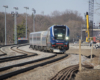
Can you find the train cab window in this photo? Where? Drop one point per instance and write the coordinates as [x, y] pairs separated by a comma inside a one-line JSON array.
[[59, 32], [22, 40]]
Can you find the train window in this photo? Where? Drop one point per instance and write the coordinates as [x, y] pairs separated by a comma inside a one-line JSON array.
[[38, 38], [34, 38], [60, 32], [43, 38]]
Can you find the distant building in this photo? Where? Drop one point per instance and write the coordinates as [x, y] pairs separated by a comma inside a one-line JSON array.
[[96, 32]]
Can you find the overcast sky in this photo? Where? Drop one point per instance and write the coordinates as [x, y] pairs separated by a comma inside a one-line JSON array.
[[48, 6]]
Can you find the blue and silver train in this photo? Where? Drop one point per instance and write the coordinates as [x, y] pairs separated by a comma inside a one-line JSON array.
[[55, 39]]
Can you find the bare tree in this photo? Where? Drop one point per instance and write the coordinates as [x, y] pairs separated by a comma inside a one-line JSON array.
[[42, 22]]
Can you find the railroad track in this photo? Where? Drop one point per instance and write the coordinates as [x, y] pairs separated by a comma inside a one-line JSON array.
[[12, 70], [3, 53], [69, 72], [25, 54]]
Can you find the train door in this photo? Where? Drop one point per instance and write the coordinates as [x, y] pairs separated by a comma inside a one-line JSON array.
[[48, 38], [34, 39], [30, 40]]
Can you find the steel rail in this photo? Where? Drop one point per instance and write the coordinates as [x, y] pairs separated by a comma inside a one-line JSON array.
[[10, 74]]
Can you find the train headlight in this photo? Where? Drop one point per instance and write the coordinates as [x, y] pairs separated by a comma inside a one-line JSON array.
[[59, 35], [67, 38]]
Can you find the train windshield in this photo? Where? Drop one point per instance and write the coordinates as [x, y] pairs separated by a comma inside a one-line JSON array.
[[22, 41], [59, 32]]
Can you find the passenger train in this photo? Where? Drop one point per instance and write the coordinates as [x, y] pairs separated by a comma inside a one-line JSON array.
[[55, 39]]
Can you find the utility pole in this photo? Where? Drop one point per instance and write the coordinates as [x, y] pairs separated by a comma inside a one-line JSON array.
[[5, 23], [15, 24], [34, 11], [26, 19]]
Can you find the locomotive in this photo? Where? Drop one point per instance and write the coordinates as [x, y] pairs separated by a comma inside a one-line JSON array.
[[22, 40], [55, 39]]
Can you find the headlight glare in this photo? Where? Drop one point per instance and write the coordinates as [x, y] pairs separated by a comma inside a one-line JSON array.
[[67, 38]]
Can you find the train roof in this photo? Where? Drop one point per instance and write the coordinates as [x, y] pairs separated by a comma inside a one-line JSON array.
[[37, 32], [22, 38], [59, 25]]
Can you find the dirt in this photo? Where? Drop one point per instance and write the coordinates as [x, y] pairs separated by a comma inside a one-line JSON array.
[[85, 52], [88, 74]]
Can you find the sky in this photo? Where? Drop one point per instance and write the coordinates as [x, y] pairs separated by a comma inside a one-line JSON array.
[[48, 6]]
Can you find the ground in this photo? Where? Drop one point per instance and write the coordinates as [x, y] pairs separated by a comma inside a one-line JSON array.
[[88, 74], [50, 70]]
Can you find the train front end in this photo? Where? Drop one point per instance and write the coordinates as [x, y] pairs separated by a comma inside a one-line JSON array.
[[59, 38]]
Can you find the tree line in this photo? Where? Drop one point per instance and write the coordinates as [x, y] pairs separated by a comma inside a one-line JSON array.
[[42, 22]]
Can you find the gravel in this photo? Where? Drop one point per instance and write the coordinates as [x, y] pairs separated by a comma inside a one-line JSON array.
[[48, 71], [9, 52], [82, 47], [41, 55], [97, 67], [43, 72]]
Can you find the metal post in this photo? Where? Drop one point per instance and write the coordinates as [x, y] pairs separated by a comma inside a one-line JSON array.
[[5, 25], [91, 51], [15, 25], [80, 67], [26, 20], [34, 11], [15, 30], [26, 23], [33, 22]]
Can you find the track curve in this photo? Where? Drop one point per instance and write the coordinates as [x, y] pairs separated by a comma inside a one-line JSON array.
[[9, 71]]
